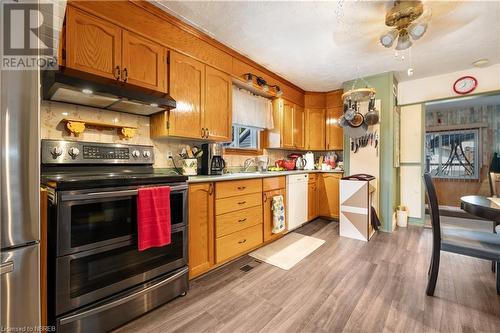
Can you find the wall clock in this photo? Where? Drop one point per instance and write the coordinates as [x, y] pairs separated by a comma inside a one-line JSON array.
[[465, 85]]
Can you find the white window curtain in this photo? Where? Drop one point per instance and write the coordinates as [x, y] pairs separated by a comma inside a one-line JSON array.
[[251, 111]]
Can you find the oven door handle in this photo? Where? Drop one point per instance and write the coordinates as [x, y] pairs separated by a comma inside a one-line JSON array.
[[120, 301], [113, 194]]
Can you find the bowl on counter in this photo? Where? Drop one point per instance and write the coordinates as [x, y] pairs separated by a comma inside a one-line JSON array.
[[289, 164]]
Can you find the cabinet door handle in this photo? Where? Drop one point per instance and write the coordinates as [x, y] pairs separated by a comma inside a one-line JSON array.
[[125, 72], [210, 189], [242, 220], [242, 202], [242, 241], [117, 73], [203, 132], [241, 187], [207, 132], [265, 197]]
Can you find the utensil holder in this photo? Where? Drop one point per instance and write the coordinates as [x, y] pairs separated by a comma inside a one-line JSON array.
[[190, 166]]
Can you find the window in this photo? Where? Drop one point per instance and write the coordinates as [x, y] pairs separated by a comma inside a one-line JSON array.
[[453, 154], [244, 138]]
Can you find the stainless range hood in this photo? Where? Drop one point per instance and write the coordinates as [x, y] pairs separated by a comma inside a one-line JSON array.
[[61, 87]]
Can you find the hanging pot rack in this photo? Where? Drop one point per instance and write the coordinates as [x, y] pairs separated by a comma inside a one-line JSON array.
[[354, 123]]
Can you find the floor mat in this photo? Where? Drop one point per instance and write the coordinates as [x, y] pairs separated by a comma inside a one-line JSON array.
[[287, 251]]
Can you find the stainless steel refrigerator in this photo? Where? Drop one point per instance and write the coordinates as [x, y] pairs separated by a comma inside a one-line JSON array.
[[19, 199]]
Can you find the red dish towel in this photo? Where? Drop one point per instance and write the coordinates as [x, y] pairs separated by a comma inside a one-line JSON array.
[[153, 217]]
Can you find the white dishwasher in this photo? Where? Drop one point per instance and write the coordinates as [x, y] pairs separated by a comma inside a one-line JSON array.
[[296, 197]]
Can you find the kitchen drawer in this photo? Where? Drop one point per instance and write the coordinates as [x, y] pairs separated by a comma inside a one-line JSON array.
[[237, 187], [231, 222], [238, 242], [273, 183], [232, 204]]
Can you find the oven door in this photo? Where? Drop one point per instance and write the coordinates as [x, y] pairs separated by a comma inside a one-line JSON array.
[[89, 219], [89, 276]]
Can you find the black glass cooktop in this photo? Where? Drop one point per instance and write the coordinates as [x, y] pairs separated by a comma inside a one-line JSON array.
[[84, 178]]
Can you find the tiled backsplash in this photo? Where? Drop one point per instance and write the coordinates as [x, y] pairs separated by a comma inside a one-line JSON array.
[[52, 127]]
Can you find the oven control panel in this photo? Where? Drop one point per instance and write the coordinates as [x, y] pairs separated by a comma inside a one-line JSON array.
[[78, 152]]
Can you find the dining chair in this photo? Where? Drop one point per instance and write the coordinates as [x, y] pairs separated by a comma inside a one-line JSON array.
[[472, 243], [493, 174]]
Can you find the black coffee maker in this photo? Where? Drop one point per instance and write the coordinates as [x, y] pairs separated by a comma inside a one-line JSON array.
[[212, 162]]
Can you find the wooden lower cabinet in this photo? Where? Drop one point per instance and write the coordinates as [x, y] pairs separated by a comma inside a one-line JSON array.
[[238, 220], [237, 243], [312, 198], [201, 228], [328, 194]]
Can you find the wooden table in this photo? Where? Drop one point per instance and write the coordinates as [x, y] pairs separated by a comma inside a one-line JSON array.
[[481, 206]]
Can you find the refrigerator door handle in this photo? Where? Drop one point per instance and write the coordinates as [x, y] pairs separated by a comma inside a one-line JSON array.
[[6, 267]]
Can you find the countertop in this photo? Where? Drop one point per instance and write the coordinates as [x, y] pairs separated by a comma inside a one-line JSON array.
[[250, 175]]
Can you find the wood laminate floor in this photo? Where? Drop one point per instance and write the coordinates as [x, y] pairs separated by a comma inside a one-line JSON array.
[[344, 286]]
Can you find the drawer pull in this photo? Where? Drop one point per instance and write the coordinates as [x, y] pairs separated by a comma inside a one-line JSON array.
[[241, 187], [242, 220], [242, 202], [242, 241]]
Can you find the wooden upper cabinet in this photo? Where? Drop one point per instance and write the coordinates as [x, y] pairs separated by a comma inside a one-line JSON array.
[[187, 79], [287, 134], [98, 47], [218, 104], [201, 228], [298, 127], [144, 63], [92, 45], [315, 129], [289, 126], [334, 133]]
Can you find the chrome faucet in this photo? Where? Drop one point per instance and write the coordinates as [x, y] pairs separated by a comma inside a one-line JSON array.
[[248, 162]]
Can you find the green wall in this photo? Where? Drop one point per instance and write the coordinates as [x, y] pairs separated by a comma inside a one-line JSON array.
[[389, 176]]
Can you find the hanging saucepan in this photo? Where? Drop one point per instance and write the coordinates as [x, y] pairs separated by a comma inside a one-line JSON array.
[[357, 127], [372, 116]]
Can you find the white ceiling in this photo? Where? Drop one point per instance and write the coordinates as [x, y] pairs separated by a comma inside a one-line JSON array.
[[318, 45]]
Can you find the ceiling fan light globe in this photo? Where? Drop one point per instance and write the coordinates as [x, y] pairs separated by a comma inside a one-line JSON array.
[[417, 30], [388, 39], [404, 42]]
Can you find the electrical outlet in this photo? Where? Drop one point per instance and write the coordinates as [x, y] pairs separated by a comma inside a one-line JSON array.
[[169, 154]]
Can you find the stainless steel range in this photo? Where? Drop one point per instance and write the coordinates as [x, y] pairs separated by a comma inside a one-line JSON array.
[[98, 279]]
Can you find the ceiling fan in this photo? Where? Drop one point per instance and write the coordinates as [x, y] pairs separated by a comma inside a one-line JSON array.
[[408, 22]]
